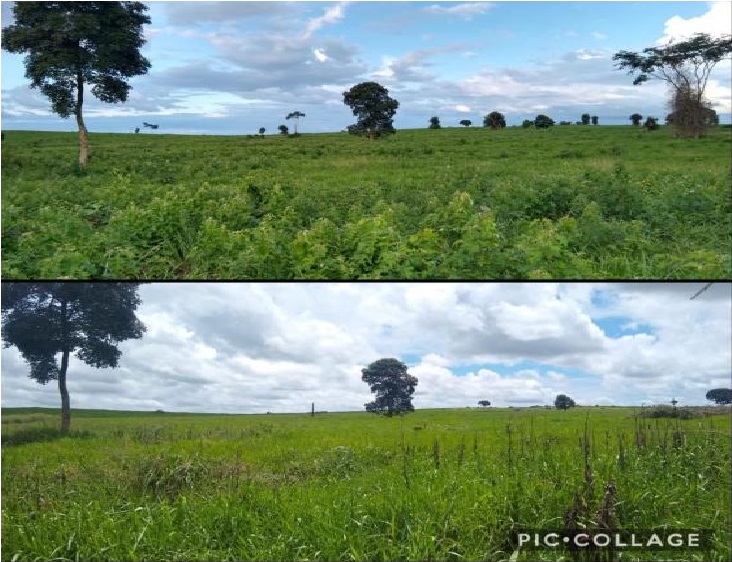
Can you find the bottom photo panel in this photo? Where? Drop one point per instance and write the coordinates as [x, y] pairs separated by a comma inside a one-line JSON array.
[[366, 421]]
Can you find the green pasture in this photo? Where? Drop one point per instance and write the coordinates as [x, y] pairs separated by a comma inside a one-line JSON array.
[[432, 485], [569, 202]]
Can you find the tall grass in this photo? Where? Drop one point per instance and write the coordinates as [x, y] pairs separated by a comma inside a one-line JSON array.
[[359, 487]]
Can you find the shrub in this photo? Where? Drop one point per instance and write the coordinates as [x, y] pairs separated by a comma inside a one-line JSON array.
[[651, 124], [664, 411]]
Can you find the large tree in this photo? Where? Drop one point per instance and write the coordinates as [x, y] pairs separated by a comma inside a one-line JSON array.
[[71, 45], [543, 121], [720, 395], [435, 123], [563, 402], [296, 115], [494, 120], [636, 118], [392, 385], [466, 122], [44, 320], [375, 110], [685, 66]]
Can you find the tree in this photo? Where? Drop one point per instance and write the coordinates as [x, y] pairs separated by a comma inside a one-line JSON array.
[[595, 120], [636, 118], [543, 122], [494, 120], [70, 45], [685, 66], [283, 130], [651, 124], [435, 123], [466, 122], [585, 118], [46, 319], [720, 396], [137, 130], [375, 110], [150, 126], [296, 116], [261, 131], [527, 123], [563, 402], [392, 385], [484, 403], [682, 111]]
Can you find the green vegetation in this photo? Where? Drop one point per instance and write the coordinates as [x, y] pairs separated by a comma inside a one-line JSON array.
[[70, 46], [564, 202], [87, 320], [685, 66], [434, 485]]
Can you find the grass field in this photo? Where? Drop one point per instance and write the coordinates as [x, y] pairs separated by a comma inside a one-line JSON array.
[[433, 485], [570, 202]]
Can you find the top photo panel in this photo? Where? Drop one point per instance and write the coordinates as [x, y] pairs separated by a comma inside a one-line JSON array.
[[366, 140]]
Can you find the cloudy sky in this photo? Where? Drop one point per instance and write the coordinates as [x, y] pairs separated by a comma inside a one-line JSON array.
[[232, 67], [249, 348]]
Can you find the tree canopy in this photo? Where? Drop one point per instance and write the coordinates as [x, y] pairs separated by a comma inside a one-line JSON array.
[[73, 44], [43, 320], [296, 115], [392, 385], [543, 122], [720, 395], [563, 402], [636, 118], [374, 109], [685, 66], [466, 122], [435, 123], [494, 120]]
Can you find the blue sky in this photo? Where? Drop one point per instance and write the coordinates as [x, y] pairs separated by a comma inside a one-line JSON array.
[[232, 67], [258, 347]]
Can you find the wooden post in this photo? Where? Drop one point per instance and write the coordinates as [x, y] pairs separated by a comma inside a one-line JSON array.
[[312, 410]]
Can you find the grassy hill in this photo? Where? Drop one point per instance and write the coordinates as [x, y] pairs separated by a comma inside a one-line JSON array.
[[433, 485], [569, 202]]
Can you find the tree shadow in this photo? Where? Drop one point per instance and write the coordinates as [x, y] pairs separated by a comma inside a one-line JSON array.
[[39, 435]]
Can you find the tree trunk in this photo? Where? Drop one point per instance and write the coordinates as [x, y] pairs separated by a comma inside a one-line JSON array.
[[83, 133], [65, 401]]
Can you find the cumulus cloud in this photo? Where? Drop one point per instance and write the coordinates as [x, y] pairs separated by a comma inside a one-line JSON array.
[[242, 347], [242, 60], [717, 21]]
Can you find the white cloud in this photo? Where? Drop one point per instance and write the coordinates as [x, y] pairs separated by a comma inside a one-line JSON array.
[[249, 347], [717, 21], [465, 11], [320, 55], [584, 54], [461, 108], [332, 15]]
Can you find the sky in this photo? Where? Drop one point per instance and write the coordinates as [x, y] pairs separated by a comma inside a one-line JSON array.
[[233, 67], [278, 347]]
